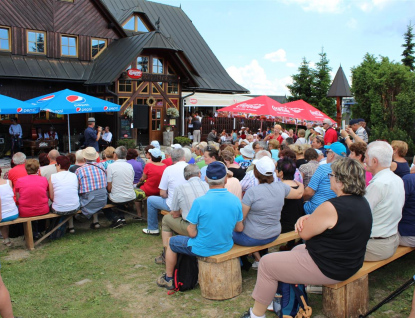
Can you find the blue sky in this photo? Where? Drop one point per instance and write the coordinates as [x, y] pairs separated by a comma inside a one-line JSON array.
[[262, 43]]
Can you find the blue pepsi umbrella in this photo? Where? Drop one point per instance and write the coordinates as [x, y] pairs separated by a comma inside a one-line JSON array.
[[12, 106], [68, 102]]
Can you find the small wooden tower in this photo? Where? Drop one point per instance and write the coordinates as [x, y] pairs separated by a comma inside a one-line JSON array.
[[339, 88]]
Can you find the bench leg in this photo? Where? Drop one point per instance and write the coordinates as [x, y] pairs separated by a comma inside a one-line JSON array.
[[28, 235], [349, 301], [220, 281]]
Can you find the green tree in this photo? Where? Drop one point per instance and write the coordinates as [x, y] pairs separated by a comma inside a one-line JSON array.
[[321, 86], [303, 82], [409, 48]]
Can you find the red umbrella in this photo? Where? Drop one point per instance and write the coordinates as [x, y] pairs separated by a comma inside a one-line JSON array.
[[305, 111], [259, 106]]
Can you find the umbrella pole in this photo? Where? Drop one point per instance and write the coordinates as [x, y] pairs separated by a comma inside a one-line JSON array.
[[69, 135]]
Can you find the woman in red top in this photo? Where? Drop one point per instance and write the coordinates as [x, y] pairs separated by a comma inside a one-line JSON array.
[[151, 177], [276, 135], [31, 192]]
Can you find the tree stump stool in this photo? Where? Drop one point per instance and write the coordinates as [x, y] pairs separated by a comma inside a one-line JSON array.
[[219, 281]]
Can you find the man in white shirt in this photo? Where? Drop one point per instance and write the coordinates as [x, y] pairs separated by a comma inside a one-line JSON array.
[[172, 177], [15, 130], [52, 134], [386, 196], [50, 169], [120, 178], [106, 138]]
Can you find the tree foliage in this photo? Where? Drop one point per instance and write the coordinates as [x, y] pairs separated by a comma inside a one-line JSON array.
[[409, 48], [312, 85], [385, 94]]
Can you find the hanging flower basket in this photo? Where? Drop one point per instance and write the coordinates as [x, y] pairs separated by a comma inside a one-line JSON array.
[[172, 112], [129, 112]]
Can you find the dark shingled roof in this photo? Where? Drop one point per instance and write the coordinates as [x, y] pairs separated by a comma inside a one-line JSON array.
[[176, 25], [340, 86], [43, 67]]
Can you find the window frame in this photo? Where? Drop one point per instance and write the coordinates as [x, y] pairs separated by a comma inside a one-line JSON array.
[[10, 38], [45, 42], [99, 51], [131, 85], [148, 63], [136, 16], [162, 64], [76, 47]]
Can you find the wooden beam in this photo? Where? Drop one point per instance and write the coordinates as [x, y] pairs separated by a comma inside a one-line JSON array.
[[129, 101], [339, 111], [163, 93]]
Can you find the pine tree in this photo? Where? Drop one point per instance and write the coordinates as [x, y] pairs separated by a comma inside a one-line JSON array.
[[302, 86], [409, 48], [322, 84]]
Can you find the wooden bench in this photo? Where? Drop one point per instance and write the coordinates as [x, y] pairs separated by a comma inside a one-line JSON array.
[[27, 226], [220, 275], [351, 297]]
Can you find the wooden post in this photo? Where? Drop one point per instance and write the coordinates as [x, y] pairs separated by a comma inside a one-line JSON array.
[[219, 281], [339, 111], [348, 301], [28, 235]]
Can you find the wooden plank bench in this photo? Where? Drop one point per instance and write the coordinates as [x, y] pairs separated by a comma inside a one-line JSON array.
[[27, 226], [351, 297], [220, 275]]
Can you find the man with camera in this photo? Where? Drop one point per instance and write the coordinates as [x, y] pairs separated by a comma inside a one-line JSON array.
[[92, 136]]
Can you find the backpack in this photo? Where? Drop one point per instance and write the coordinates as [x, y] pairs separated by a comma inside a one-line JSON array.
[[291, 301], [185, 273]]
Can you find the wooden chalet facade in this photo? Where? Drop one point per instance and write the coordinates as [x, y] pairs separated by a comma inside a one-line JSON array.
[[98, 47]]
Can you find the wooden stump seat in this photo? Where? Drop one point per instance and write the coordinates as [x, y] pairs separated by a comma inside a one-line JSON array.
[[351, 297]]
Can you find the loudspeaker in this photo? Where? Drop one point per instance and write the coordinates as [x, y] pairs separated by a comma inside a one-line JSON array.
[[140, 118]]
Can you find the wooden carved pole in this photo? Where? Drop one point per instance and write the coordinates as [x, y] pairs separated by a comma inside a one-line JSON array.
[[339, 111]]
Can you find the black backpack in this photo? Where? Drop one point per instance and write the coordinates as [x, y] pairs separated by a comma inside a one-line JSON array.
[[185, 273]]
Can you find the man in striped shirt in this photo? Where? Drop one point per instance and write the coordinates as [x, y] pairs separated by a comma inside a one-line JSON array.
[[92, 180]]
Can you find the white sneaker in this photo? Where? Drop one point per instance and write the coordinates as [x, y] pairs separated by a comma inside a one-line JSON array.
[[314, 289], [151, 232], [270, 307], [255, 265]]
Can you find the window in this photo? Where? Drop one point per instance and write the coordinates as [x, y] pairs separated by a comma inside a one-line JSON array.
[[135, 24], [172, 88], [69, 46], [170, 70], [157, 66], [36, 42], [122, 100], [155, 90], [142, 64], [4, 39], [97, 46], [124, 86]]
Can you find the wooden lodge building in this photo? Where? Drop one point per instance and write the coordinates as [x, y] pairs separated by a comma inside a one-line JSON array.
[[140, 54]]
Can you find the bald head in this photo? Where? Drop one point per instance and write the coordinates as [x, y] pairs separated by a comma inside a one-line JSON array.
[[53, 154]]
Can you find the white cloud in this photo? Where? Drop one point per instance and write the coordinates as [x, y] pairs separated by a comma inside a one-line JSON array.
[[289, 64], [369, 5], [312, 64], [352, 23], [277, 56], [254, 78], [321, 6]]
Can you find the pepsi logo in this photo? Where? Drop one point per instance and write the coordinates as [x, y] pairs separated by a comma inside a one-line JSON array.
[[105, 107], [75, 99], [78, 109], [19, 110], [45, 99]]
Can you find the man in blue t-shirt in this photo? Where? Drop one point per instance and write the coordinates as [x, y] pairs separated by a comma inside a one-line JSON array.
[[318, 190], [91, 136], [210, 229]]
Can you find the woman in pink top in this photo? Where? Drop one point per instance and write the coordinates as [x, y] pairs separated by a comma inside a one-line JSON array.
[[357, 151], [31, 192]]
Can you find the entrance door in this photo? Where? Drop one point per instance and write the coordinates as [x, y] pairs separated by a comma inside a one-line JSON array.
[[156, 121]]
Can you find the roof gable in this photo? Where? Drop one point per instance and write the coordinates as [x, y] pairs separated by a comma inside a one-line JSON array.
[[340, 86]]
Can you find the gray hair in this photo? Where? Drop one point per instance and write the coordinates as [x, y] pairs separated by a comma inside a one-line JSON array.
[[79, 157], [177, 155], [168, 150], [263, 144], [19, 158], [382, 151], [212, 182], [191, 170], [53, 154], [121, 152], [187, 154], [194, 144], [262, 153]]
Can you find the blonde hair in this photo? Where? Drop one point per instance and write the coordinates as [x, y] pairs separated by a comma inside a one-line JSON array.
[[298, 149], [274, 144], [109, 152], [32, 166], [352, 174], [401, 146], [301, 133]]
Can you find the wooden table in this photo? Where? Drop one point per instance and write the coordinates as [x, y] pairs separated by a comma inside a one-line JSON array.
[[39, 145]]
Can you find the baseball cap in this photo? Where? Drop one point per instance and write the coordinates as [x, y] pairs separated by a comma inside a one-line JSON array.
[[248, 152], [155, 152], [361, 120], [216, 170], [319, 130], [327, 121], [176, 146], [155, 144], [338, 148], [91, 120], [354, 121], [265, 166]]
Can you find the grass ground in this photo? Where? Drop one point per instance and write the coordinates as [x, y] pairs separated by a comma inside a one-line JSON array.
[[111, 273]]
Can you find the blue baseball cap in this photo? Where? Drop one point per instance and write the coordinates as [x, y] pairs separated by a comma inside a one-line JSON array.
[[155, 152], [354, 121], [216, 170], [338, 148]]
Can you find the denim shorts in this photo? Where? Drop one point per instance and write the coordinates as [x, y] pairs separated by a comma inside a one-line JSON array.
[[178, 244], [241, 238]]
